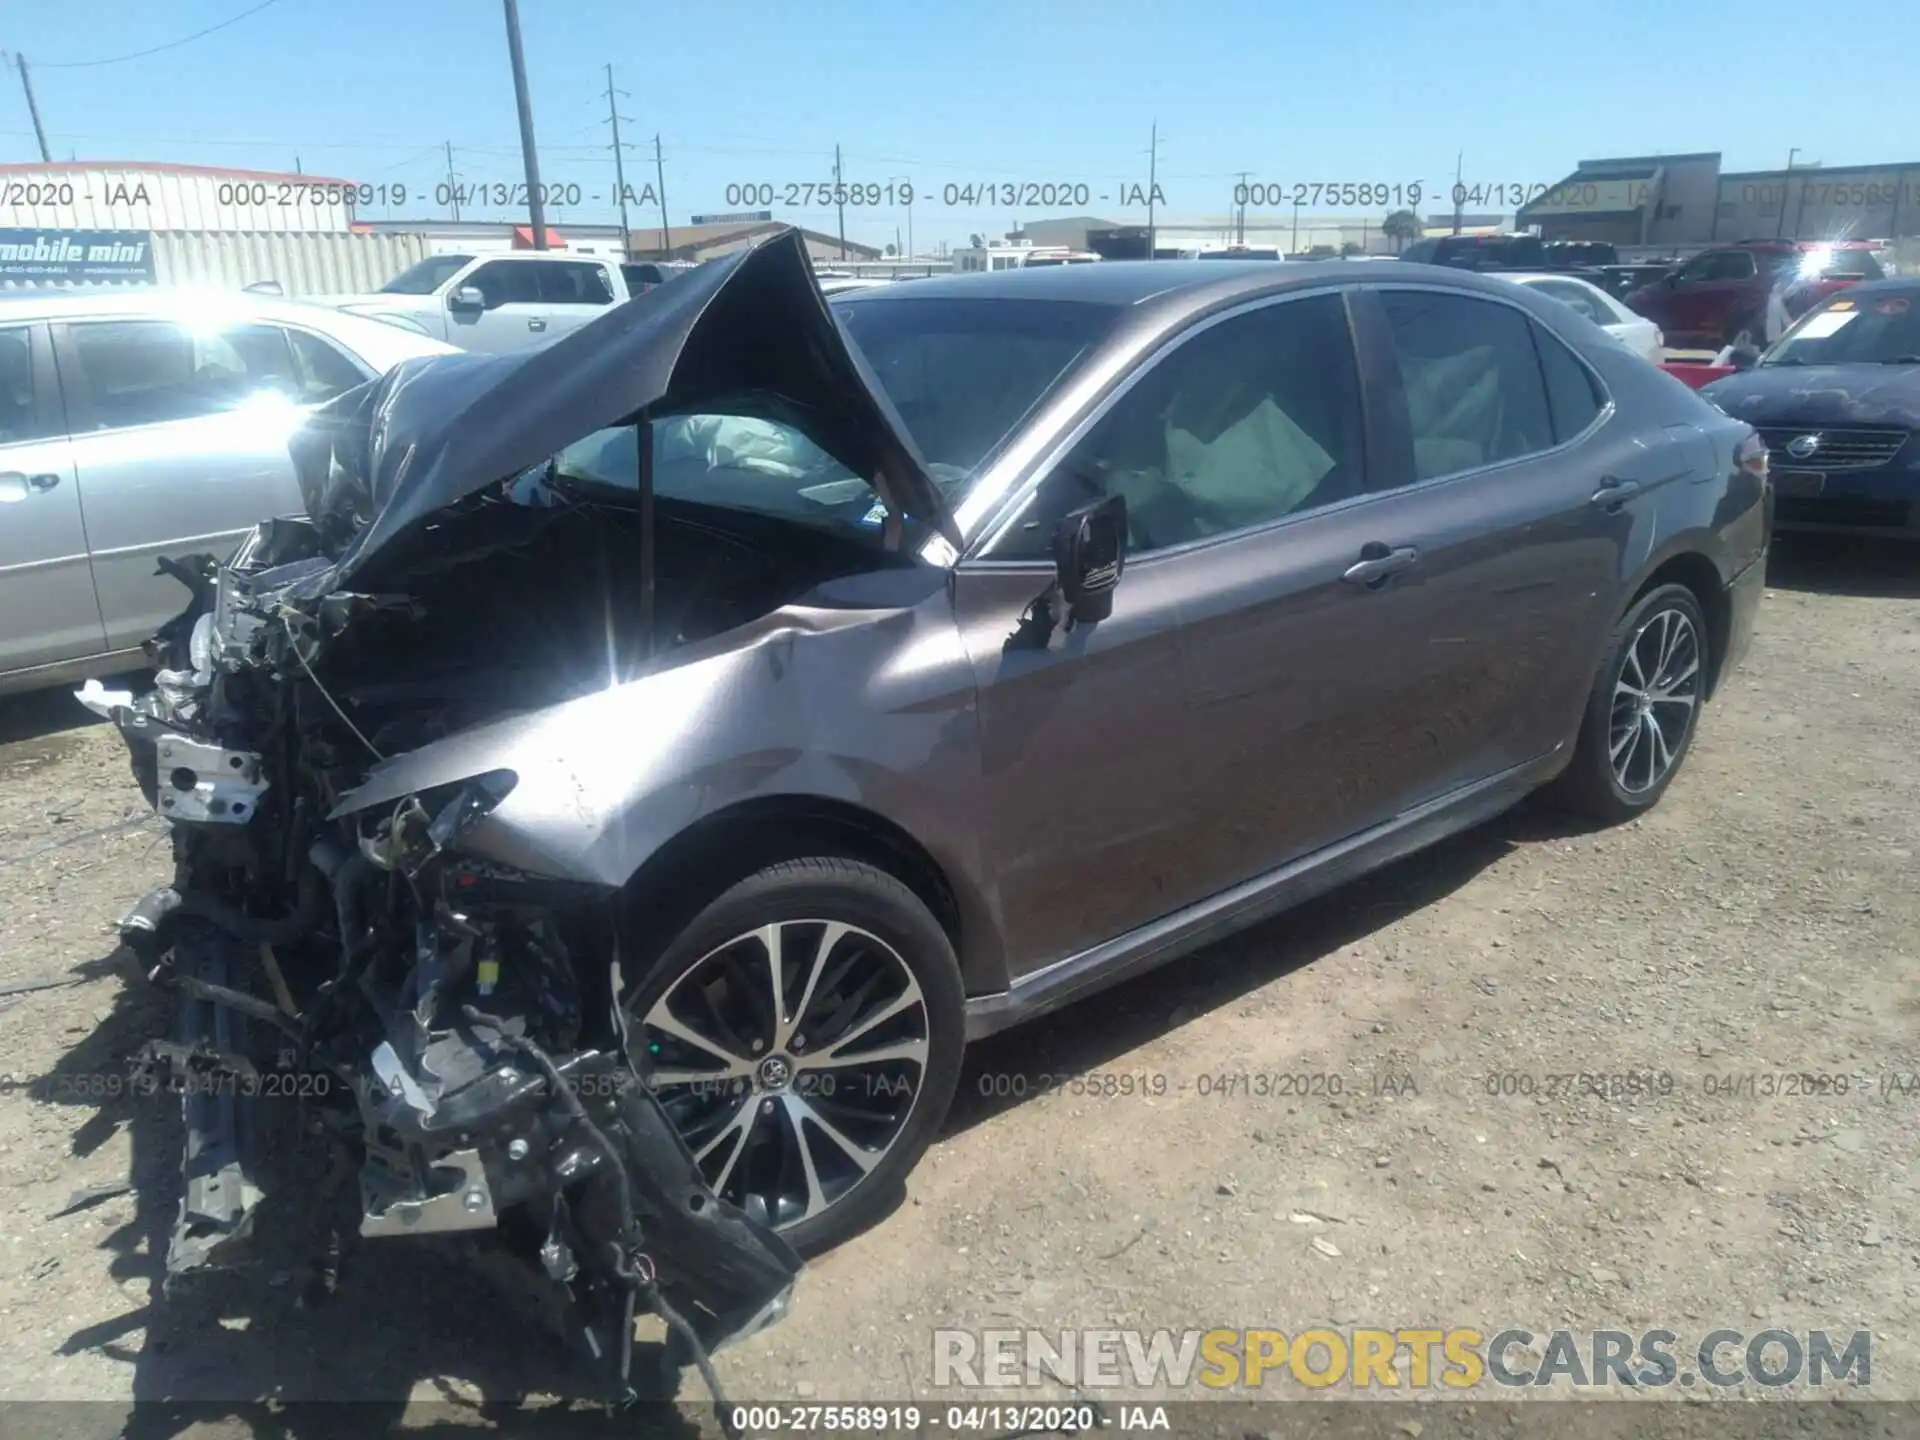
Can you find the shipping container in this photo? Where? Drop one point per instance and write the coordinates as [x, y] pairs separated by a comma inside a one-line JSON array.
[[325, 264], [101, 195]]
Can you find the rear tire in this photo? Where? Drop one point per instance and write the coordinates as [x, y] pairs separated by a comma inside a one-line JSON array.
[[785, 1116], [1643, 710]]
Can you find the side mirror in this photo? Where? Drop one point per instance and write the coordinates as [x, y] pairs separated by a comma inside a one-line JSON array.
[[1089, 552], [467, 298]]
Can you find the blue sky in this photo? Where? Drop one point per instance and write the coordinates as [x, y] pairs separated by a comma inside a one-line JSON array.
[[962, 92]]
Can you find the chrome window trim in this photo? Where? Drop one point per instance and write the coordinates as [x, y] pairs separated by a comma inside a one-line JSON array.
[[1042, 456], [1020, 495]]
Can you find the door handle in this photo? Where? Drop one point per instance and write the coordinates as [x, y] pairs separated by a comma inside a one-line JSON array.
[[1378, 564], [16, 486], [1613, 493], [536, 324]]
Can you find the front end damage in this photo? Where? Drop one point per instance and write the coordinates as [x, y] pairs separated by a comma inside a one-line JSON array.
[[448, 1024], [354, 951]]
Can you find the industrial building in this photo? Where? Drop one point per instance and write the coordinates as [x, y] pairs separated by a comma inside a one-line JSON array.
[[1302, 234], [1688, 201]]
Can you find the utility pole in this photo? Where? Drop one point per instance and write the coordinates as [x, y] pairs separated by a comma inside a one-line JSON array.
[[453, 186], [33, 107], [1153, 163], [840, 201], [535, 210], [619, 168], [660, 175], [1780, 225], [296, 166], [1294, 248], [1240, 216]]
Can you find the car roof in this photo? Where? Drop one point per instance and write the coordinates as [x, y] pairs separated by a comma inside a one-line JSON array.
[[1524, 276], [54, 303], [1134, 282], [1898, 285]]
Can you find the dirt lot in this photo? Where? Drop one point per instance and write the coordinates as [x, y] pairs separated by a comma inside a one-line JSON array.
[[1765, 919]]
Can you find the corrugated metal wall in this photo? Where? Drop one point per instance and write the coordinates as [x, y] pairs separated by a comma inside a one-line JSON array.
[[97, 197], [323, 264], [303, 264]]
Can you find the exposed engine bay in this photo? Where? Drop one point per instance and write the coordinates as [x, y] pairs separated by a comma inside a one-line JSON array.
[[449, 1022]]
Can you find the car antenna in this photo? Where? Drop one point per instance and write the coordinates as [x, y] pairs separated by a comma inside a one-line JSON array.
[[645, 447]]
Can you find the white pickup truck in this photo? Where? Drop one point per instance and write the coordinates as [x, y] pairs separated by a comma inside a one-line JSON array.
[[502, 301]]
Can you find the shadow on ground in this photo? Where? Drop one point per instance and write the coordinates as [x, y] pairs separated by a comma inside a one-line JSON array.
[[1866, 566]]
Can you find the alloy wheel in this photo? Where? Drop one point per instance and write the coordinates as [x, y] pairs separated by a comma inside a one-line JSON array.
[[790, 1058], [1655, 697]]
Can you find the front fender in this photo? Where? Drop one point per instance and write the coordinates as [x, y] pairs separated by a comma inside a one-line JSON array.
[[871, 709]]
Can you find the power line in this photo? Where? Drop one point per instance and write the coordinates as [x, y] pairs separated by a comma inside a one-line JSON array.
[[170, 45]]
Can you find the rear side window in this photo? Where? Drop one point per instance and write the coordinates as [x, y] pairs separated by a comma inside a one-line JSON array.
[[146, 372], [1475, 394], [1573, 400]]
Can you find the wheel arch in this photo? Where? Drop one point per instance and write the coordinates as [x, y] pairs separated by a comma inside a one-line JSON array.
[[717, 850], [1699, 574]]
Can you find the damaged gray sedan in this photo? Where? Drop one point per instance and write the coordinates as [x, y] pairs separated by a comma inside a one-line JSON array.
[[652, 756]]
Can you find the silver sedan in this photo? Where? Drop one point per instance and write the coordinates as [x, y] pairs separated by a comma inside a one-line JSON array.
[[148, 424]]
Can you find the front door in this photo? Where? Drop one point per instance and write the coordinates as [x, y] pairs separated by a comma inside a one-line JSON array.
[[47, 608], [515, 315], [1202, 733]]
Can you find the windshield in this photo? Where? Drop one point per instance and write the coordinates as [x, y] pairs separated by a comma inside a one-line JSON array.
[[1835, 263], [1855, 329], [425, 276], [961, 374]]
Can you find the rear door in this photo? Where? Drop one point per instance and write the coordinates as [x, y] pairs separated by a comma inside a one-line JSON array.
[[47, 608], [179, 445], [1521, 490]]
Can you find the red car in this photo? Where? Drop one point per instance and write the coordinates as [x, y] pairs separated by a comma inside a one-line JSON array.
[[1720, 292]]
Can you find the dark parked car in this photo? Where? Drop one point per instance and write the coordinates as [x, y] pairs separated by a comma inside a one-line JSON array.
[[1718, 293], [1512, 252], [1837, 399], [719, 715]]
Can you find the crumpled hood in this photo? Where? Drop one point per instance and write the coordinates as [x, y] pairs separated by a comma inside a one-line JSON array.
[[750, 333], [1821, 395]]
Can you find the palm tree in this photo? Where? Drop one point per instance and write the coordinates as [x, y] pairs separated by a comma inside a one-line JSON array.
[[1401, 227]]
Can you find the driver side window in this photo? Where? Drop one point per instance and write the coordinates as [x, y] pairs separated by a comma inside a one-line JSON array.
[[504, 282], [1253, 419]]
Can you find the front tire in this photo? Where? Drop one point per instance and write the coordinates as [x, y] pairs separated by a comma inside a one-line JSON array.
[[804, 1032], [1643, 709]]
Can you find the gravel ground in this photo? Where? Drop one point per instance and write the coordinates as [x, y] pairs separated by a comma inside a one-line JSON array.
[[1763, 920]]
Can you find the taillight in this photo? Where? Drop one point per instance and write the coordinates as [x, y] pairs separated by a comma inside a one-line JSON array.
[[1751, 455]]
